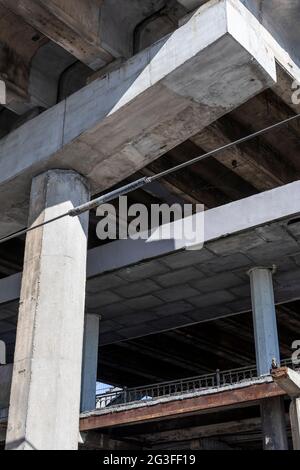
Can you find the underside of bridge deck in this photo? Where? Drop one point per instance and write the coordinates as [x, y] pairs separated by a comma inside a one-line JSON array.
[[97, 97]]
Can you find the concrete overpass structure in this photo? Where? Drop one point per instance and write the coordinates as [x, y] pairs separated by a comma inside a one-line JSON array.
[[92, 104]]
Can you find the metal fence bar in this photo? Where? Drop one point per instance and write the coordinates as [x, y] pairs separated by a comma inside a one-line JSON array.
[[188, 385]]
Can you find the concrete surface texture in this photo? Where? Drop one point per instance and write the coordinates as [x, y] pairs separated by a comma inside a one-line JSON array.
[[47, 363], [96, 95], [116, 123], [141, 288]]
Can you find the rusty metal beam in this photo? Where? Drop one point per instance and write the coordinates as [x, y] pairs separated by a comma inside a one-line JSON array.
[[179, 408]]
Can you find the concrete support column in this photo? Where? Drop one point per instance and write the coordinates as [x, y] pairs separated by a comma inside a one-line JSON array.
[[45, 394], [264, 319], [273, 424], [295, 422], [267, 349], [89, 363]]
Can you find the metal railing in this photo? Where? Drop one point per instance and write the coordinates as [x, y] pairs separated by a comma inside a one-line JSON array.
[[117, 397]]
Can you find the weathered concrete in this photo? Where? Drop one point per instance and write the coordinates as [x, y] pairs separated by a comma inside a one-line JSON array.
[[94, 31], [280, 18], [45, 394], [141, 296], [79, 21], [156, 100], [30, 65], [295, 422], [267, 349], [289, 381], [264, 319], [89, 363]]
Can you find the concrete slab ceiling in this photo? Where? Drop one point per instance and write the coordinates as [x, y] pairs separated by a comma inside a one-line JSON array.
[[118, 124]]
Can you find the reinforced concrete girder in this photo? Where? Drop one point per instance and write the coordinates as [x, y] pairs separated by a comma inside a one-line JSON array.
[[73, 24], [30, 65], [159, 98], [288, 380], [233, 244], [94, 31]]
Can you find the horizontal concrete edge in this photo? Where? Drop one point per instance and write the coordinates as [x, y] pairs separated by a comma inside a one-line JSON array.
[[171, 410], [224, 221], [162, 96]]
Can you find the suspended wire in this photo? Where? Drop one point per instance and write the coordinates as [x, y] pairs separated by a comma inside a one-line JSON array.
[[140, 183]]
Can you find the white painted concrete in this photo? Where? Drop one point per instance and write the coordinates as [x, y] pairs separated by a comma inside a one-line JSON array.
[[89, 363], [153, 102], [45, 394]]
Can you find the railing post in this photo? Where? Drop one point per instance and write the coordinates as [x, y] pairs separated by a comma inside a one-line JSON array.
[[218, 377], [125, 395]]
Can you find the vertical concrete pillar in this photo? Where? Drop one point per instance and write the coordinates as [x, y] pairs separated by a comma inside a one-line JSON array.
[[295, 422], [45, 394], [2, 353], [267, 349], [89, 363]]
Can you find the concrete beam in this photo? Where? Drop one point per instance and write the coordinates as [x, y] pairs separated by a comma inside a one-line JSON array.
[[45, 392], [260, 167], [155, 101], [276, 204], [288, 380], [94, 31], [30, 65], [209, 430], [280, 20], [73, 25]]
